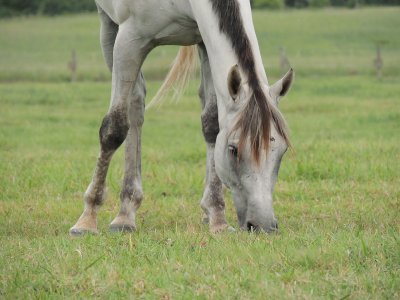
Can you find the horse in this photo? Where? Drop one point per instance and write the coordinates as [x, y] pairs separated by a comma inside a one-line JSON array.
[[245, 133]]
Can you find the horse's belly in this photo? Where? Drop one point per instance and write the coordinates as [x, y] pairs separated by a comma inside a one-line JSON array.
[[178, 34], [159, 21]]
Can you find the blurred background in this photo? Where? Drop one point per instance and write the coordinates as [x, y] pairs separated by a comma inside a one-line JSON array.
[[316, 37]]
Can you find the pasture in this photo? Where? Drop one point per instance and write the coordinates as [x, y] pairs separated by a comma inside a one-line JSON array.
[[336, 200]]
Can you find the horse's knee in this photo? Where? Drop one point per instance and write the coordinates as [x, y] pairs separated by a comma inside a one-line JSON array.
[[210, 125], [113, 130]]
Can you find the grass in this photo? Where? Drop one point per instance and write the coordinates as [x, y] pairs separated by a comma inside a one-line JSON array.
[[337, 198], [318, 42]]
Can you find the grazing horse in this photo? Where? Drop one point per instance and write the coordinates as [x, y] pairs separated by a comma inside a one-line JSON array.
[[245, 133]]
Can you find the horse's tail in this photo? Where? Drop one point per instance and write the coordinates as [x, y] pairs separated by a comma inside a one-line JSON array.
[[178, 76]]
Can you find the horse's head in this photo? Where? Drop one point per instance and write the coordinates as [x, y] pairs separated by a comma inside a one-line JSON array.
[[247, 158]]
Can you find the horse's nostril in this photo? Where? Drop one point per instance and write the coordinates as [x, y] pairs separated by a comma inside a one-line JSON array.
[[273, 228], [276, 225], [251, 227]]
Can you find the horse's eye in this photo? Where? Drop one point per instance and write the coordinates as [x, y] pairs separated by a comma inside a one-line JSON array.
[[233, 150]]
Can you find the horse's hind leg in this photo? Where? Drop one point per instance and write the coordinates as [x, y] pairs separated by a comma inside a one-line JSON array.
[[132, 193], [128, 56], [108, 34], [212, 202]]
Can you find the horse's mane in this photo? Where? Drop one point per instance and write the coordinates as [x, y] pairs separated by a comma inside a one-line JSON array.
[[254, 121]]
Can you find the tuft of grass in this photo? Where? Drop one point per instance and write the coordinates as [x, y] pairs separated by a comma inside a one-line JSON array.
[[336, 201]]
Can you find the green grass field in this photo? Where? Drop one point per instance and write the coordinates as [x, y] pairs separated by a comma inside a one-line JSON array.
[[337, 198]]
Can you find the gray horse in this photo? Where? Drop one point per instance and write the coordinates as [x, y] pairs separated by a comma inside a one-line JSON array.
[[245, 133]]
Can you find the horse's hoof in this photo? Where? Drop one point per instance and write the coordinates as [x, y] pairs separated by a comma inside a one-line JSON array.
[[231, 229], [77, 232], [122, 228]]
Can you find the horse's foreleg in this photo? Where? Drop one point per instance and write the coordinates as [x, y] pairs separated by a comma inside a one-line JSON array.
[[132, 192], [212, 202], [128, 57], [112, 134]]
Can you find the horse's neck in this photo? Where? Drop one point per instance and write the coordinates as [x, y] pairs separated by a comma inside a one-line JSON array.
[[219, 48]]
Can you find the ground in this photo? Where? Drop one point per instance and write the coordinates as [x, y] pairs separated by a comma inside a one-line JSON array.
[[337, 198]]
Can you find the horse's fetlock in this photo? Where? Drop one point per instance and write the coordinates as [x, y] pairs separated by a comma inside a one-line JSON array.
[[132, 194], [94, 197], [204, 206]]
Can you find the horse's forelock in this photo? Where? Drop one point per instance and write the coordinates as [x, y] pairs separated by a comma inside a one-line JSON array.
[[254, 124]]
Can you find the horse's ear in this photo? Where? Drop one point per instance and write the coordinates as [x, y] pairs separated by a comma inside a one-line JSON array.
[[234, 82], [282, 86]]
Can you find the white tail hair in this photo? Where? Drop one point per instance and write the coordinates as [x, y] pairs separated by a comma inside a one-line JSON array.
[[178, 76]]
